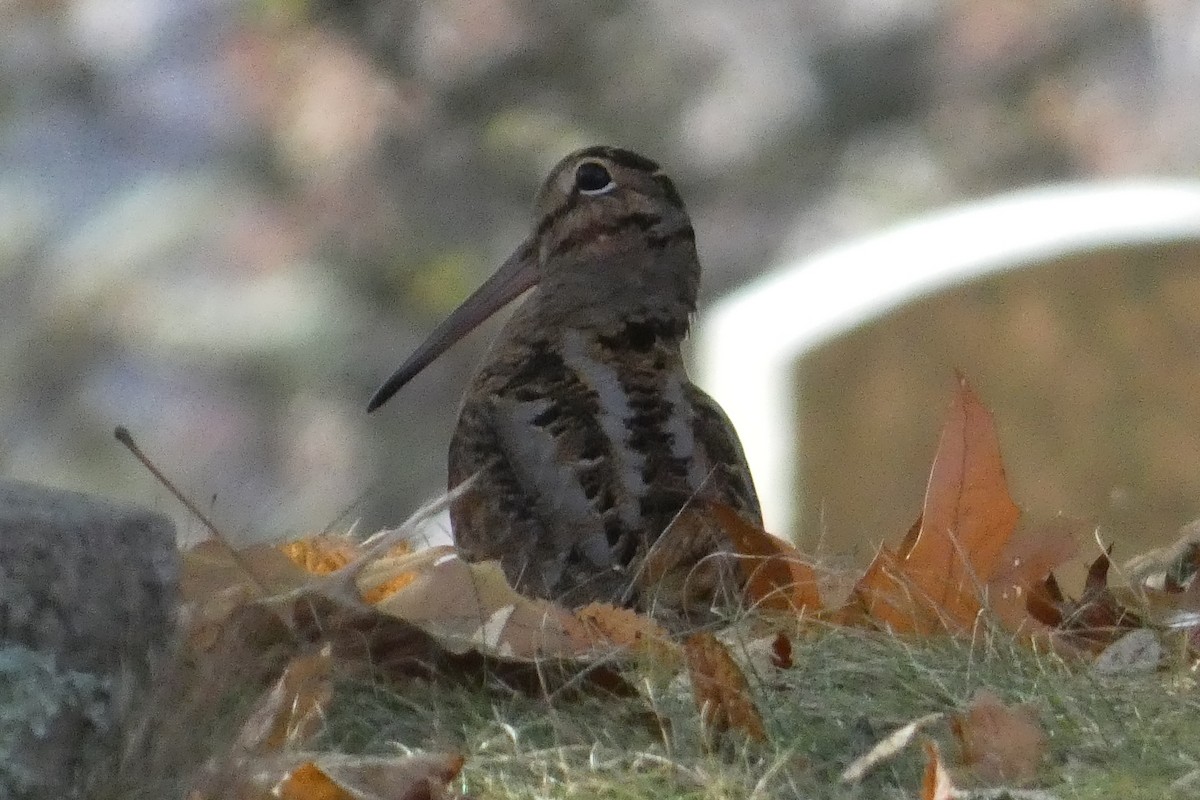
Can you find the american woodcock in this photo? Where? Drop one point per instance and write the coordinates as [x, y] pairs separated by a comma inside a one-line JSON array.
[[586, 440]]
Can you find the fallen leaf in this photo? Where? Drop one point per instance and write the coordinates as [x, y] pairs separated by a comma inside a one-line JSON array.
[[1045, 602], [321, 554], [210, 567], [1170, 569], [472, 607], [938, 578], [966, 521], [1179, 611], [776, 575], [629, 630], [689, 570], [1000, 744], [910, 538], [720, 688], [327, 553], [1137, 651], [334, 776], [216, 581], [766, 654], [882, 597], [309, 782], [936, 784], [1091, 623]]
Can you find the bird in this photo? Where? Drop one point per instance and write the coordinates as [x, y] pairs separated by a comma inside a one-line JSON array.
[[591, 453]]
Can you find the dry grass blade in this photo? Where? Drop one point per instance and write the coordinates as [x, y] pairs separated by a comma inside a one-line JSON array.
[[887, 748]]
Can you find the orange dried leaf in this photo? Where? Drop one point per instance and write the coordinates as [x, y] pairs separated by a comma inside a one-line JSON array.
[[776, 575], [883, 596], [327, 553], [629, 630], [293, 709], [720, 688], [936, 784], [321, 554], [308, 782], [967, 519], [335, 776], [682, 569], [1000, 744]]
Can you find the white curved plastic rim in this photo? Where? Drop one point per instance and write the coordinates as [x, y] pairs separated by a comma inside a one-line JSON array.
[[748, 342]]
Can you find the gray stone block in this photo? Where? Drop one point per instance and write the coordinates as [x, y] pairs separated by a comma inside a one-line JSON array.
[[87, 600]]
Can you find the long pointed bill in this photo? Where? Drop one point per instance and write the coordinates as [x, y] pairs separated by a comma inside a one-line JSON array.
[[515, 275]]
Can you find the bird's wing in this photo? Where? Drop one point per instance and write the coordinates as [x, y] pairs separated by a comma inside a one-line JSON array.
[[729, 481], [532, 505]]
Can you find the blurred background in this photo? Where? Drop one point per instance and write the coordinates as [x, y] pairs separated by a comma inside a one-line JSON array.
[[224, 222]]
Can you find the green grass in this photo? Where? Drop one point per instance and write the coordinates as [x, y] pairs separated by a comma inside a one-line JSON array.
[[1127, 736]]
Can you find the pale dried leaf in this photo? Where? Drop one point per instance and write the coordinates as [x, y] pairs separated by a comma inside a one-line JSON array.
[[472, 607], [1137, 651], [209, 568]]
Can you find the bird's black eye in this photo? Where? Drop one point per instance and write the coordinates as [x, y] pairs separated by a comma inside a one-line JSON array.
[[592, 178]]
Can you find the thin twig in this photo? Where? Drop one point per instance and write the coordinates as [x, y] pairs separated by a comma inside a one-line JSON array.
[[126, 438]]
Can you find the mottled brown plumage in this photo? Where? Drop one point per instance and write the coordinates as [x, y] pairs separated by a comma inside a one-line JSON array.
[[587, 441]]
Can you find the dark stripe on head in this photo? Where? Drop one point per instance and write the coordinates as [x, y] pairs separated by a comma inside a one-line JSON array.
[[629, 159], [621, 157], [554, 216], [669, 191]]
